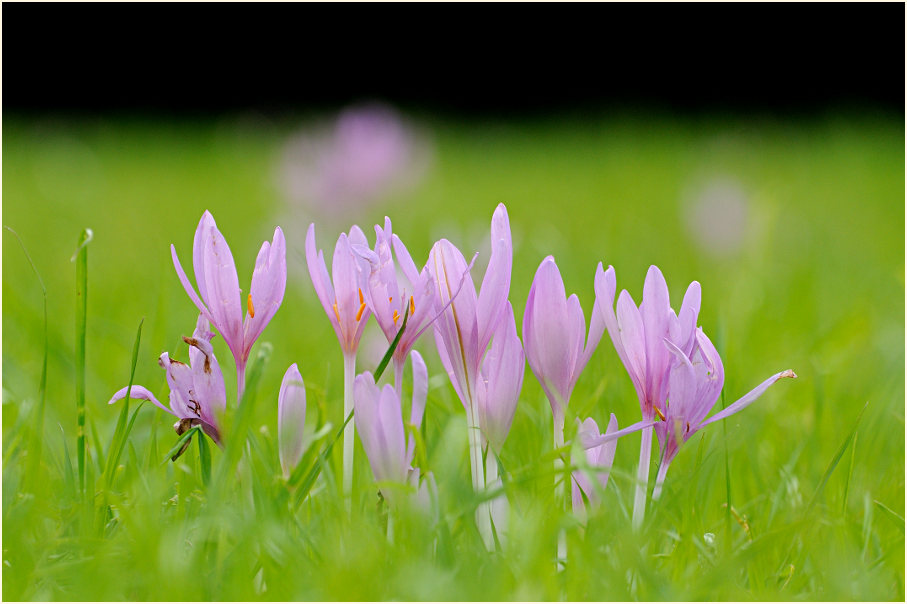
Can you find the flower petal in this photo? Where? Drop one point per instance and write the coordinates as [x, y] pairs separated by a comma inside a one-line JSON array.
[[187, 285], [496, 283], [269, 283], [749, 397], [501, 381], [222, 287], [291, 403], [138, 392]]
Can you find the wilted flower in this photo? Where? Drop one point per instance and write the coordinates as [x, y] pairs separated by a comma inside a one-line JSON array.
[[197, 393], [220, 302], [379, 420], [693, 388], [291, 419]]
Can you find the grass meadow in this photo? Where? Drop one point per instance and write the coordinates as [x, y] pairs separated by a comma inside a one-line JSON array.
[[798, 497]]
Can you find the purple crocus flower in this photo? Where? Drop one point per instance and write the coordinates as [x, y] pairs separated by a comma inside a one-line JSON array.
[[390, 298], [197, 392], [219, 296], [598, 456], [344, 303], [694, 385], [500, 381], [468, 321], [554, 335], [291, 419], [638, 334], [379, 420], [367, 153], [342, 299], [463, 330]]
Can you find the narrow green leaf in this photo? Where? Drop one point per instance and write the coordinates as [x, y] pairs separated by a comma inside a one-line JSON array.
[[122, 429], [204, 457], [853, 454], [390, 351], [898, 519], [80, 257], [174, 453], [316, 469], [37, 423], [835, 460]]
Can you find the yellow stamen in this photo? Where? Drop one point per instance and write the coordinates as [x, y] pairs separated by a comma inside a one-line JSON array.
[[396, 316], [336, 312], [660, 414], [361, 308], [412, 306], [361, 301], [391, 299], [249, 305]]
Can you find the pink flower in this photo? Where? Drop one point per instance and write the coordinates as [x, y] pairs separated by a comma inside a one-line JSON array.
[[343, 300], [219, 297], [598, 456], [291, 419], [197, 393]]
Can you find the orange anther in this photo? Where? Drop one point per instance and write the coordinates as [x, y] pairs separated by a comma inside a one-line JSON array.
[[412, 306], [336, 312], [361, 301], [250, 307], [361, 308], [660, 414], [396, 316], [391, 299]]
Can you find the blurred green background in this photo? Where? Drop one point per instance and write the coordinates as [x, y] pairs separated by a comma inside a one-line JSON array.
[[805, 272]]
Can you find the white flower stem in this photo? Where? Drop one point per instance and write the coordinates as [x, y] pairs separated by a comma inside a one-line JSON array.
[[642, 478], [560, 491], [483, 520], [659, 480], [349, 432]]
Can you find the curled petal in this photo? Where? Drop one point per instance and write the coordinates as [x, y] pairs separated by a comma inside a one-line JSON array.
[[138, 392], [749, 397], [183, 401]]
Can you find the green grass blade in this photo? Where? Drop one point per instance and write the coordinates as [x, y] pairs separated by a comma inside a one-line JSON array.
[[172, 454], [37, 424], [316, 469], [80, 257], [390, 351], [898, 519], [853, 454], [121, 432], [204, 457], [834, 462]]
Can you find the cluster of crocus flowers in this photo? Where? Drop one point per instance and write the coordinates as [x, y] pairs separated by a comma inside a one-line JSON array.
[[197, 391], [675, 370]]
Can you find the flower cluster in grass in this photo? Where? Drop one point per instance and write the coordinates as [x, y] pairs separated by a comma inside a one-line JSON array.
[[676, 371]]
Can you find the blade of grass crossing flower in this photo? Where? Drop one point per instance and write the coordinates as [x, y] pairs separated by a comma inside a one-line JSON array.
[[310, 478], [390, 351], [204, 458], [176, 450], [121, 432], [835, 460], [37, 424], [80, 257]]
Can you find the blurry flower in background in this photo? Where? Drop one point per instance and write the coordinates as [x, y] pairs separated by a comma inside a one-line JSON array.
[[717, 215], [367, 153]]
